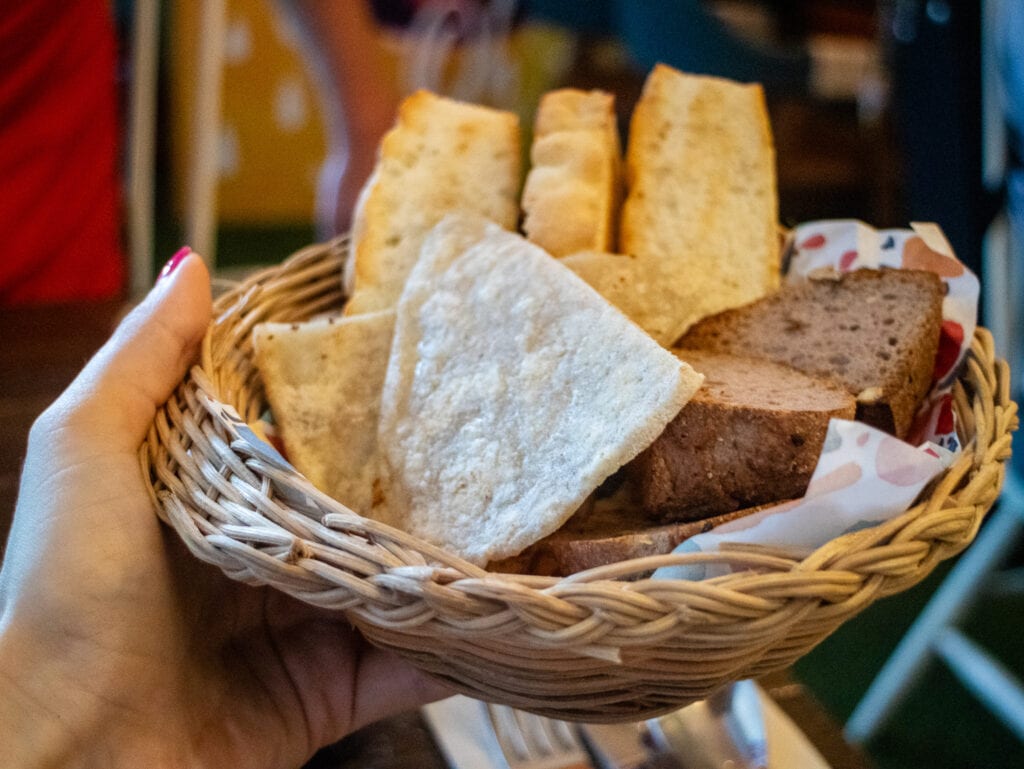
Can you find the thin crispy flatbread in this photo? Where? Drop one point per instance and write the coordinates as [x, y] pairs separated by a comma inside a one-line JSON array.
[[323, 380], [513, 390]]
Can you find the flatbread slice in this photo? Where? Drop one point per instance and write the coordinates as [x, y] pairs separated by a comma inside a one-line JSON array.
[[513, 390], [323, 380]]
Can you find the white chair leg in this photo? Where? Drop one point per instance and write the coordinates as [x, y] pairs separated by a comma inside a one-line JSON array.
[[201, 216], [954, 597], [142, 143], [994, 685]]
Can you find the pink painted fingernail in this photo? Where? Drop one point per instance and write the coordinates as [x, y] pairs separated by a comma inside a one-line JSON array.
[[173, 262]]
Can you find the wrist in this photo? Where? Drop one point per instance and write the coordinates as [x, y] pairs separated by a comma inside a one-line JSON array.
[[36, 729], [48, 720]]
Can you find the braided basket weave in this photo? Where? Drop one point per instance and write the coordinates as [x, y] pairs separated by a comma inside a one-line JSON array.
[[596, 646]]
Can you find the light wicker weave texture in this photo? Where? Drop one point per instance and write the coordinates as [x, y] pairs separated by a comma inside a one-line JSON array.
[[596, 646]]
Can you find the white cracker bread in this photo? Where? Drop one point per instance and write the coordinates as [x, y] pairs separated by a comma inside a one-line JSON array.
[[323, 380], [512, 391], [700, 216], [572, 193], [442, 155]]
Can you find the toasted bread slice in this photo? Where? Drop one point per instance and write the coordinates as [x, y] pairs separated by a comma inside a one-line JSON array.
[[701, 196], [874, 331], [442, 156], [573, 190]]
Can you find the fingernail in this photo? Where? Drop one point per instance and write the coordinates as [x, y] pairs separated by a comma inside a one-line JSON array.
[[173, 262]]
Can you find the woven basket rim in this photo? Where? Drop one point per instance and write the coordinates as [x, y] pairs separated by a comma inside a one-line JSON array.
[[258, 523]]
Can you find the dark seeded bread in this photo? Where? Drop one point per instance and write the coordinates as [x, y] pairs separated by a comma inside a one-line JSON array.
[[609, 535], [751, 435], [874, 331]]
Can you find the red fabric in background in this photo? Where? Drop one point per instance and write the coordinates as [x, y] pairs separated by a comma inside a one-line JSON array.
[[60, 231]]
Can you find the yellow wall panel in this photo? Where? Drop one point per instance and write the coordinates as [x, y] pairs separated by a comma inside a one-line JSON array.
[[272, 136], [271, 132]]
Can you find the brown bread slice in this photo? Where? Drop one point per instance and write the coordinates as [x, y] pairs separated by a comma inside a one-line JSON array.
[[751, 435], [874, 331], [610, 537]]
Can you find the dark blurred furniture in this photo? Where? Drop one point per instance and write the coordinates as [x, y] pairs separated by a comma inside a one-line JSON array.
[[836, 157], [934, 52], [44, 348]]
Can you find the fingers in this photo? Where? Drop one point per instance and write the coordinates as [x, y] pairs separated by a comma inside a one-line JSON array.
[[386, 684], [120, 389]]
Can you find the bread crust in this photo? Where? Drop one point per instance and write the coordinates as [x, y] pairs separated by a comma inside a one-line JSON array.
[[442, 156], [572, 193], [701, 191]]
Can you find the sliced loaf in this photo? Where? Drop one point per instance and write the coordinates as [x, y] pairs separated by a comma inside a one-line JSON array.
[[751, 435], [701, 195], [874, 331]]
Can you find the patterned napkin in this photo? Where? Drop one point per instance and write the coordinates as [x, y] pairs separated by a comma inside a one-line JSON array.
[[863, 476]]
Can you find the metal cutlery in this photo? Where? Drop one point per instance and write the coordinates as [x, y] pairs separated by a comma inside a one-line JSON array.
[[528, 741], [725, 730]]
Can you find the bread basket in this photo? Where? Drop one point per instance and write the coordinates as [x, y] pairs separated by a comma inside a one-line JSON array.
[[599, 646]]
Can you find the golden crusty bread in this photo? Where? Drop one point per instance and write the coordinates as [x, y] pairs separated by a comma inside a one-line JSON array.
[[573, 190], [701, 211], [441, 156]]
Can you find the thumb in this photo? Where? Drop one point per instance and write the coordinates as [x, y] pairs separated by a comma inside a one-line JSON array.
[[116, 395]]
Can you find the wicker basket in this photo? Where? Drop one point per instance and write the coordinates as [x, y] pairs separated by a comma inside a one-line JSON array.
[[596, 646]]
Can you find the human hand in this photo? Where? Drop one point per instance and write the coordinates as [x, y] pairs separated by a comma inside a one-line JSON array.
[[117, 647]]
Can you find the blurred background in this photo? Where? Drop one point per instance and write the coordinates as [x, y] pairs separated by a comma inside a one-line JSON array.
[[248, 127]]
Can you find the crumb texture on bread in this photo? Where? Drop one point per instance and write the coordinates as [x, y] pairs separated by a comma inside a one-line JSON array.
[[512, 392], [701, 193], [874, 331], [572, 193], [442, 156], [751, 435]]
